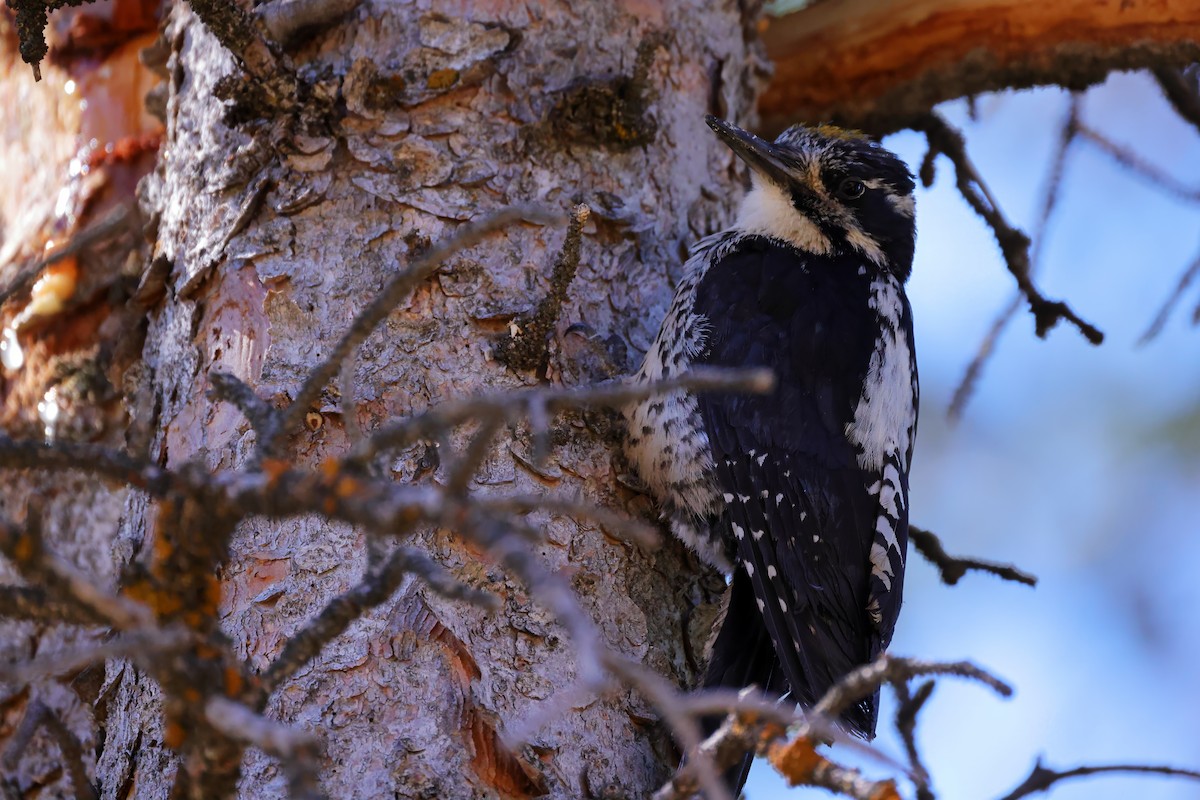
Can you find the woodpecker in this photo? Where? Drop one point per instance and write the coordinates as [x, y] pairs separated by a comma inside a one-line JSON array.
[[801, 494]]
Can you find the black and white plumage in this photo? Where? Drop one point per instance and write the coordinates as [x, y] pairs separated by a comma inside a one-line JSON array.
[[801, 493]]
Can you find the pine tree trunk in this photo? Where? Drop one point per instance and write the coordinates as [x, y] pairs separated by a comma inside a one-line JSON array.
[[276, 235]]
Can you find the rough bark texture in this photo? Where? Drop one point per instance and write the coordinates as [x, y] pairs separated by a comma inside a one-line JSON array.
[[275, 239], [878, 64]]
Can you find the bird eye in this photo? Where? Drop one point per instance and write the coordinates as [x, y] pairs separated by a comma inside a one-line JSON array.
[[851, 189]]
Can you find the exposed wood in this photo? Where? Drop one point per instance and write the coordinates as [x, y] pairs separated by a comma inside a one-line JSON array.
[[874, 64]]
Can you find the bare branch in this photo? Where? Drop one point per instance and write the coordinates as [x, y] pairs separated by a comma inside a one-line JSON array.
[[1164, 313], [702, 772], [39, 715], [398, 288], [1127, 158], [86, 458], [1180, 92], [863, 681], [230, 388], [464, 467], [348, 387], [727, 746], [1013, 243], [137, 646], [953, 568], [906, 724], [1043, 778], [34, 604], [98, 231], [753, 723], [634, 530], [512, 406], [44, 570], [1068, 132], [299, 752], [877, 64]]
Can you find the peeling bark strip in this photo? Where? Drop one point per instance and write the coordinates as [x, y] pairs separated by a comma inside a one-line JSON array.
[[875, 64]]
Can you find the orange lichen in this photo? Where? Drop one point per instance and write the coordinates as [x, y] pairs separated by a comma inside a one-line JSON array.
[[798, 760], [24, 549], [234, 682], [274, 468], [173, 734], [442, 79], [800, 763]]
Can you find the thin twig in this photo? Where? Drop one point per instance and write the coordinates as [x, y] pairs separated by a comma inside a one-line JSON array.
[[70, 750], [954, 568], [138, 646], [1164, 313], [34, 604], [94, 233], [1013, 243], [1127, 158], [1043, 778], [348, 386], [86, 458], [232, 389], [397, 289], [863, 681], [243, 724], [906, 725], [550, 590], [40, 568], [727, 746], [1181, 93], [703, 774], [465, 466], [752, 722], [299, 752], [1051, 191], [511, 406]]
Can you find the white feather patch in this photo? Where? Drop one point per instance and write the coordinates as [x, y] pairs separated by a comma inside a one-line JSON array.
[[768, 211], [883, 419]]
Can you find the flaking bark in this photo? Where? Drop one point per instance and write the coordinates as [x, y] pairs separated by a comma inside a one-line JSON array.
[[278, 232]]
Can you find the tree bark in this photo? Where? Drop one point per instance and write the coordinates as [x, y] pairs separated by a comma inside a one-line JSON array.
[[276, 235]]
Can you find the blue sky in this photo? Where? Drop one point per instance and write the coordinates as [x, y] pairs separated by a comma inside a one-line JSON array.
[[1079, 464]]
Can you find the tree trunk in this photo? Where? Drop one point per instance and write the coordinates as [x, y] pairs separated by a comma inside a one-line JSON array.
[[276, 235]]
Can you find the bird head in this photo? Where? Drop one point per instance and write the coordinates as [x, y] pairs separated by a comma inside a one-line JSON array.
[[827, 190]]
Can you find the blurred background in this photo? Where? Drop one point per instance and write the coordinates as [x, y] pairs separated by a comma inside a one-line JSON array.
[[1079, 464]]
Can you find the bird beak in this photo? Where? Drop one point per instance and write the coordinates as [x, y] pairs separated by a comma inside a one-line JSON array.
[[760, 154]]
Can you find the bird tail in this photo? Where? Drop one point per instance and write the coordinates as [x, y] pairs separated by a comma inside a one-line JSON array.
[[741, 655]]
